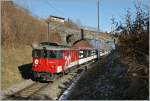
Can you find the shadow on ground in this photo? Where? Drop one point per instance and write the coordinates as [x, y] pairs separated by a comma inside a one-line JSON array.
[[26, 71]]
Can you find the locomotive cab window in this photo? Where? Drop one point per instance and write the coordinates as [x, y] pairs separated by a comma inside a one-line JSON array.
[[54, 54], [37, 53]]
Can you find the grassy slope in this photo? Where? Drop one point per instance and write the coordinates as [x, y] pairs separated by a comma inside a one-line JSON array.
[[11, 59]]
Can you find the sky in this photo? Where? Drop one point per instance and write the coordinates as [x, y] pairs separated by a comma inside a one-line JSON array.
[[83, 12]]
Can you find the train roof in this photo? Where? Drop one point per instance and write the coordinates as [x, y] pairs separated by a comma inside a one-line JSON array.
[[60, 47], [48, 47], [88, 48]]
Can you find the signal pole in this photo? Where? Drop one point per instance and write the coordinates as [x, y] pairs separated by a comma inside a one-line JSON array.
[[48, 33], [47, 21], [98, 27], [98, 14]]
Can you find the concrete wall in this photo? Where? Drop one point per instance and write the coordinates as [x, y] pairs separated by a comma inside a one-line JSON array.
[[90, 35]]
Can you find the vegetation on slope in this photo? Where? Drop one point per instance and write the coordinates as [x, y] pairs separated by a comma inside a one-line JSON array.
[[19, 27], [133, 43], [19, 31]]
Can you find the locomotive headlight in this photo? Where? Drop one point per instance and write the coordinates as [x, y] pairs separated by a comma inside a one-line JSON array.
[[36, 61], [52, 67], [59, 69]]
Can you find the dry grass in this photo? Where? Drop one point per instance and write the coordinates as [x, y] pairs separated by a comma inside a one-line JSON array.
[[136, 64], [11, 59]]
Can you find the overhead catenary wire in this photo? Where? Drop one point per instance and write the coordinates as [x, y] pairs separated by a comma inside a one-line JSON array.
[[56, 9]]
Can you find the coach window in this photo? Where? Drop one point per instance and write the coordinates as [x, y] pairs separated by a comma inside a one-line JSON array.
[[89, 52], [84, 53]]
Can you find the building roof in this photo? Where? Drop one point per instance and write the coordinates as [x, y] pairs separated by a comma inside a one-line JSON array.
[[58, 17]]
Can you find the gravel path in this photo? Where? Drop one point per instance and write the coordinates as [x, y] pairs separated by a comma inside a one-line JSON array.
[[15, 88]]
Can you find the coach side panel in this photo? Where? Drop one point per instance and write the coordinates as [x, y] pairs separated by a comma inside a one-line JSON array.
[[86, 55], [70, 58]]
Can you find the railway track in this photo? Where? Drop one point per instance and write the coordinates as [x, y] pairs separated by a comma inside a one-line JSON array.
[[29, 91], [35, 90]]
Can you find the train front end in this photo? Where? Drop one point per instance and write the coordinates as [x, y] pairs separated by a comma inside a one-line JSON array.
[[47, 63]]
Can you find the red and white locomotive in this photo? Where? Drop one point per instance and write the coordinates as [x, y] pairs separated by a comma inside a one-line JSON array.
[[51, 61]]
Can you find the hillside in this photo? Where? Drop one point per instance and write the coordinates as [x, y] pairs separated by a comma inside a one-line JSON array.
[[19, 27], [19, 31]]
